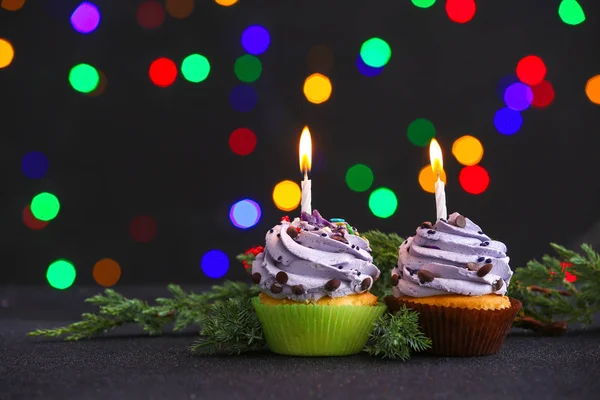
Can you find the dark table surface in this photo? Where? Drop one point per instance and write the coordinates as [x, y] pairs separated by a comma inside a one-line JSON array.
[[129, 365]]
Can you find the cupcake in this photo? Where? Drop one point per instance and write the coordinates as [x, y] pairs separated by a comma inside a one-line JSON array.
[[314, 276], [456, 277]]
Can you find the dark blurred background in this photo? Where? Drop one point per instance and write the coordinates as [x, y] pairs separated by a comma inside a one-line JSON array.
[[136, 149]]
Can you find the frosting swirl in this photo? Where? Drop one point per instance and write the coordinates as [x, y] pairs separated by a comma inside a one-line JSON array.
[[451, 257], [310, 258]]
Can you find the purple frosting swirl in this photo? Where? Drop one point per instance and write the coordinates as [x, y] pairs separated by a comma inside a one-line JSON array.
[[453, 257], [310, 258]]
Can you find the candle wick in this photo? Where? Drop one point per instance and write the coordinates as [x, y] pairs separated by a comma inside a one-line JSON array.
[[305, 175]]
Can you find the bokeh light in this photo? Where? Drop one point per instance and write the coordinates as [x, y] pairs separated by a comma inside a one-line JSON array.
[[287, 195], [543, 95], [214, 264], [423, 3], [474, 179], [84, 78], [365, 70], [504, 83], [468, 150], [31, 221], [460, 11], [507, 121], [531, 70], [245, 214], [7, 53], [243, 98], [570, 12], [86, 18], [106, 272], [420, 132], [102, 82], [359, 178], [317, 88], [35, 165], [61, 274], [163, 72], [45, 206], [427, 178], [143, 228], [592, 89], [242, 141], [12, 5], [320, 58], [375, 52], [179, 8], [383, 202], [150, 14], [247, 68], [255, 39], [195, 68], [518, 96], [226, 3]]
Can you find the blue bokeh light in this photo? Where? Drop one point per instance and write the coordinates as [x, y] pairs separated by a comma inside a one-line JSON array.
[[243, 98], [507, 121], [245, 214], [35, 165], [85, 18], [518, 96], [255, 39], [365, 69], [214, 264]]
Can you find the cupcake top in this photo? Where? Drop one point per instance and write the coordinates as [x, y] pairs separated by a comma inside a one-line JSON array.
[[451, 257], [310, 258]]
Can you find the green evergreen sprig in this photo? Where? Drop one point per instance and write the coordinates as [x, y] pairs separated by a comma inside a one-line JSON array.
[[385, 256]]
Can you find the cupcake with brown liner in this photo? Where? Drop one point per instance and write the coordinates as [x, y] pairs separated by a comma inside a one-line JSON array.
[[456, 277]]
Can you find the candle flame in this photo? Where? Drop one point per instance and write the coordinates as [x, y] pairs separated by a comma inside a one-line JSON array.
[[435, 156], [305, 151]]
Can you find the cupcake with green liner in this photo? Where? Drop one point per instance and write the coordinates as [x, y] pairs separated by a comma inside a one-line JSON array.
[[314, 276]]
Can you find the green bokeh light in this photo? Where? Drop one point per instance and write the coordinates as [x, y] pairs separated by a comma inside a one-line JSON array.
[[570, 12], [195, 68], [420, 132], [247, 68], [383, 202], [45, 206], [61, 274], [84, 78], [359, 178], [423, 3], [375, 52]]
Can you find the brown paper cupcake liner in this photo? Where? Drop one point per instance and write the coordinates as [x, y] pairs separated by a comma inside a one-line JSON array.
[[461, 332]]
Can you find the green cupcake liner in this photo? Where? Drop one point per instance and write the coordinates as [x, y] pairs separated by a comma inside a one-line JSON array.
[[316, 330]]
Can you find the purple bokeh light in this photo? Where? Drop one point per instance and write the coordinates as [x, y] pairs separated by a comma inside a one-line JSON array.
[[365, 69], [85, 18], [518, 96]]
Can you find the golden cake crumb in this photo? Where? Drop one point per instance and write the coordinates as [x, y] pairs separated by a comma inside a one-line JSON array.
[[485, 302], [362, 299]]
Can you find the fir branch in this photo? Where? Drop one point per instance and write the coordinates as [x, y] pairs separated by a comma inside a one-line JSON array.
[[397, 336], [385, 257]]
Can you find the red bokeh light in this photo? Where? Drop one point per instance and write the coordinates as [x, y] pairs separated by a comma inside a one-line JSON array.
[[31, 221], [531, 70], [150, 14], [474, 179], [163, 72], [242, 141], [460, 11], [543, 94], [143, 229]]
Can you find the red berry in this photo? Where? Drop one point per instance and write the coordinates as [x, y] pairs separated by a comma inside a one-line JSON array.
[[285, 218], [260, 249]]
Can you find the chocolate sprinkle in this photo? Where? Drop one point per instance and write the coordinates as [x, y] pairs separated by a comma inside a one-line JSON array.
[[430, 232], [256, 278], [426, 225], [460, 221], [298, 290], [281, 277], [270, 230], [323, 234], [358, 273], [332, 285], [472, 266], [279, 235], [483, 271], [364, 285], [279, 258], [497, 285], [480, 232], [395, 280], [276, 289], [488, 261], [480, 259], [425, 276], [340, 267], [292, 232]]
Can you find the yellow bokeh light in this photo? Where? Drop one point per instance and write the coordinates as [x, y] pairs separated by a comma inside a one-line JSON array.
[[226, 3], [427, 178], [317, 88], [592, 89], [7, 53], [468, 150], [12, 5], [179, 8], [287, 195]]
